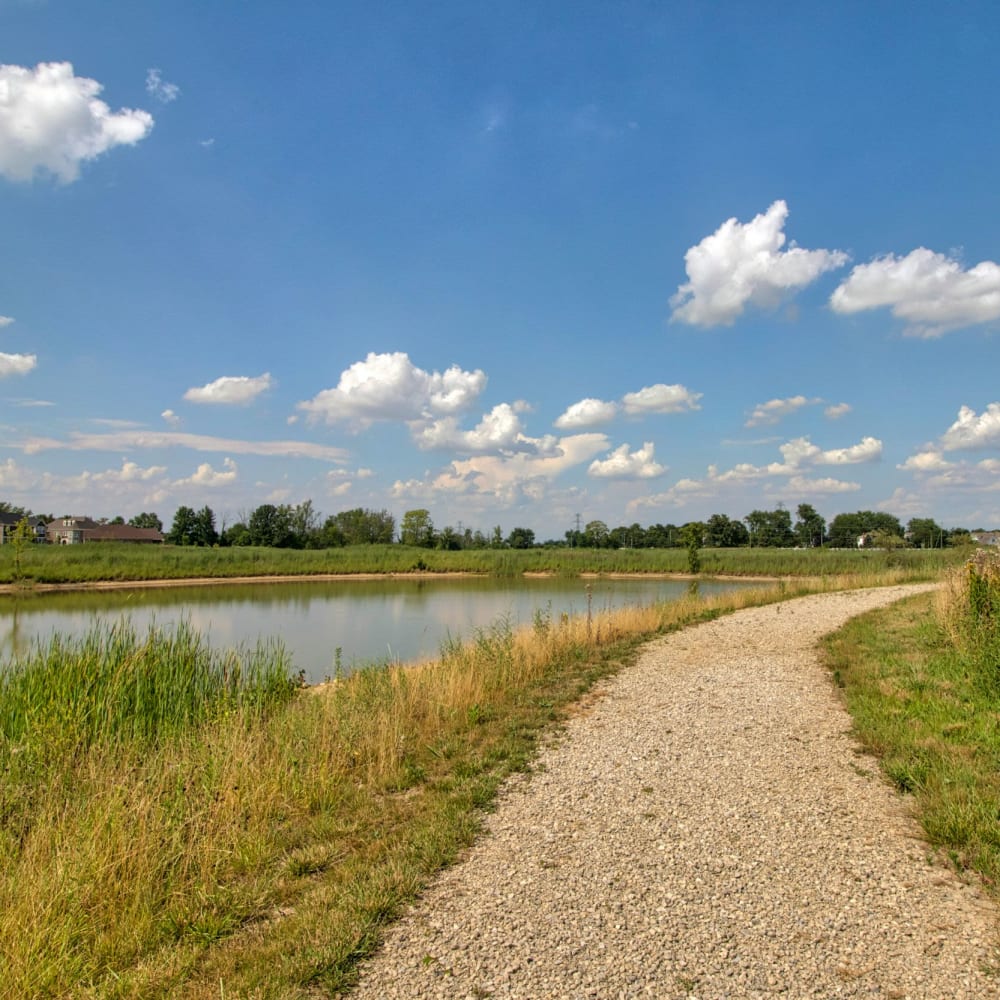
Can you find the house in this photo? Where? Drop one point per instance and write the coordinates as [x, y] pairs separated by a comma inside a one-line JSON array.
[[122, 533], [986, 537], [69, 530], [8, 522], [75, 530]]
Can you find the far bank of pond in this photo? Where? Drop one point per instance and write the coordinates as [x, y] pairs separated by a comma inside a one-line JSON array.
[[326, 624]]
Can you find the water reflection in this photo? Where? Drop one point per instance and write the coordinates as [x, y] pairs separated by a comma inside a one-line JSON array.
[[366, 620]]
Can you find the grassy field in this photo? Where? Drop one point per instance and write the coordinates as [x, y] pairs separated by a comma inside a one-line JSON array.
[[192, 824], [195, 826], [121, 561], [922, 681]]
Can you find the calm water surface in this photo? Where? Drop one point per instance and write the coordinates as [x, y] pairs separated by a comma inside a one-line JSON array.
[[366, 620]]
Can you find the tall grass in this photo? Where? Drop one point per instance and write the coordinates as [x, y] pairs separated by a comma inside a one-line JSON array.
[[257, 848], [121, 561]]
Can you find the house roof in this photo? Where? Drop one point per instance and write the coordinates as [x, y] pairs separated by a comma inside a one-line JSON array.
[[121, 533]]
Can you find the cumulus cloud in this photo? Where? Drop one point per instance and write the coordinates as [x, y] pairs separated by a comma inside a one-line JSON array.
[[171, 418], [391, 387], [929, 291], [206, 476], [507, 477], [660, 398], [126, 440], [587, 413], [499, 430], [623, 463], [6, 321], [157, 87], [16, 364], [52, 121], [230, 389], [869, 449], [973, 430], [926, 461], [774, 410], [657, 398], [744, 264], [837, 410]]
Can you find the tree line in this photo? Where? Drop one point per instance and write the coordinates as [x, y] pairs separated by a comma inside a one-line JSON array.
[[301, 526]]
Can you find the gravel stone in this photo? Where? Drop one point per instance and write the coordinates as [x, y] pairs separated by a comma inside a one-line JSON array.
[[705, 828]]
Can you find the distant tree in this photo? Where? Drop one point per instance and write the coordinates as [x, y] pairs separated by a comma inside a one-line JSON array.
[[448, 539], [959, 536], [810, 528], [11, 508], [845, 529], [417, 529], [770, 528], [117, 520], [521, 538], [204, 532], [304, 525], [271, 526], [146, 520], [662, 536], [182, 531], [236, 534], [925, 533], [359, 526], [693, 534], [496, 539], [22, 536], [724, 533], [596, 535]]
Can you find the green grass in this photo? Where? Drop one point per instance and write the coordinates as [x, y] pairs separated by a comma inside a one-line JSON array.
[[929, 710], [120, 561]]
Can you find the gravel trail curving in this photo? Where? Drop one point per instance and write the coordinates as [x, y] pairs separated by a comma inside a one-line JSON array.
[[706, 828]]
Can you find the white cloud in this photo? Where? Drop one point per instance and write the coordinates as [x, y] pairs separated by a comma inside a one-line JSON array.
[[587, 413], [744, 264], [625, 464], [837, 410], [16, 364], [230, 389], [171, 418], [32, 402], [500, 429], [926, 461], [507, 477], [6, 320], [127, 440], [929, 291], [206, 476], [51, 120], [661, 398], [972, 430], [869, 449], [391, 387], [157, 87], [799, 485], [765, 414]]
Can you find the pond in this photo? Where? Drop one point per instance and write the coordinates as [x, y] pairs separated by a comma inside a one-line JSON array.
[[324, 624]]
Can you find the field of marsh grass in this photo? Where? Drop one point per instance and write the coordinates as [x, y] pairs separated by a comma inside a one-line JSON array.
[[97, 562], [922, 681], [189, 823]]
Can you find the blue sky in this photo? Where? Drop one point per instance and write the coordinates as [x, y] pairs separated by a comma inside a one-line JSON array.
[[511, 262]]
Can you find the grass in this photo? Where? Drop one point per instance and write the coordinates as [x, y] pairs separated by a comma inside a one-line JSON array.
[[922, 681], [256, 844], [121, 561], [259, 846]]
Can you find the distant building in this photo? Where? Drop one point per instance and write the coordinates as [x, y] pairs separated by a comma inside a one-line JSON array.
[[986, 537], [76, 530], [8, 522]]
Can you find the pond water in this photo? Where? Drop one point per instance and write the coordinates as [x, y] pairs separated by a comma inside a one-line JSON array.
[[323, 624]]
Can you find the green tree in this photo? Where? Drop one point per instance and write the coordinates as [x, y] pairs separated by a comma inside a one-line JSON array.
[[360, 526], [724, 533], [596, 535], [448, 539], [810, 528], [203, 531], [304, 525], [146, 520], [271, 526], [236, 534], [521, 538], [845, 529], [417, 529], [22, 536], [926, 533], [770, 528], [693, 535], [182, 531]]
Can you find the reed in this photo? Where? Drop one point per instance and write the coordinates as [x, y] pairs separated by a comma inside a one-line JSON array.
[[120, 561]]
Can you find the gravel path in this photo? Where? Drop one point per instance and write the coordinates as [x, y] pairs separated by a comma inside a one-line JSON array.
[[706, 828]]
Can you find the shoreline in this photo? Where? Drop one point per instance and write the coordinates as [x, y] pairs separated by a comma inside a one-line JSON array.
[[208, 581]]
